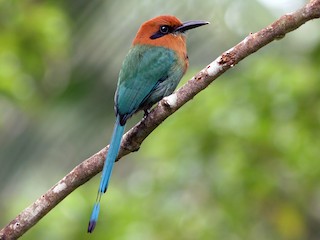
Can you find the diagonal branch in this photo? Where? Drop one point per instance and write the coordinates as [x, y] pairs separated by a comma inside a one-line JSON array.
[[135, 136]]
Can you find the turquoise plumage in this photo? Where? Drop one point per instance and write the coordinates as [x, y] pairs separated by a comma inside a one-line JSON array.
[[147, 75]]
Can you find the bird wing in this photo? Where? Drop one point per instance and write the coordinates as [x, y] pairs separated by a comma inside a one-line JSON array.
[[144, 69]]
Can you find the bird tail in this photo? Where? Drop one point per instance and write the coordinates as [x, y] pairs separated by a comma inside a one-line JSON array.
[[107, 170]]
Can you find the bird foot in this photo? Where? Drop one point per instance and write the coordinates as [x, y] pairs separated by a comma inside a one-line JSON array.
[[146, 113]]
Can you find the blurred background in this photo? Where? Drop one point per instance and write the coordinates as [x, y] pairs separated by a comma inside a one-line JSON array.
[[240, 161]]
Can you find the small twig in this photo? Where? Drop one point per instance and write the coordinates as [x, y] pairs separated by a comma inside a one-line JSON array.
[[135, 136]]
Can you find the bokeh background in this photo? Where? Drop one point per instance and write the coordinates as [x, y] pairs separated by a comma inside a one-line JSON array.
[[240, 161]]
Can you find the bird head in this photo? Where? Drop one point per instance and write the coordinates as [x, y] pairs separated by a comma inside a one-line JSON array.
[[166, 31]]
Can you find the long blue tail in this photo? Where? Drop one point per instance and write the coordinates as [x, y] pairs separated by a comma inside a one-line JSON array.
[[107, 170]]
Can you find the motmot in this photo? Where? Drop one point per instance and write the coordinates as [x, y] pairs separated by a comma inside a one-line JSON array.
[[151, 71]]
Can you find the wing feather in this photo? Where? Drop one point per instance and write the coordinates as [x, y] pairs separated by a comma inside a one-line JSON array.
[[144, 69]]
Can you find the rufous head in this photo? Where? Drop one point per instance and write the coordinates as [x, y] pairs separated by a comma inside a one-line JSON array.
[[166, 31]]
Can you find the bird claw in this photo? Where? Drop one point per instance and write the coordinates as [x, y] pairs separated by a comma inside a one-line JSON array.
[[146, 113]]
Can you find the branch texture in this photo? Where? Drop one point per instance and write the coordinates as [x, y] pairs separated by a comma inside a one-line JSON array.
[[135, 136]]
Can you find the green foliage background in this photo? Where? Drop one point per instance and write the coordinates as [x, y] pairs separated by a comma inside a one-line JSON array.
[[240, 161]]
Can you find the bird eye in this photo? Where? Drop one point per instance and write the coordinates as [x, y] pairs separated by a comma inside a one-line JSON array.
[[164, 29]]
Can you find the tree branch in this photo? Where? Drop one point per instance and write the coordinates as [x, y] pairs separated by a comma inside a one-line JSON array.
[[135, 136]]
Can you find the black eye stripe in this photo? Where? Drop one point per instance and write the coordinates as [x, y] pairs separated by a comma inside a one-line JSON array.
[[163, 30]]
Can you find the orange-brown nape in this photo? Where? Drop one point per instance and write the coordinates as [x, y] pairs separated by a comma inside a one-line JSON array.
[[173, 40]]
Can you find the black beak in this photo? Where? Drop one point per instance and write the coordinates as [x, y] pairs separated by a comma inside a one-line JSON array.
[[190, 25]]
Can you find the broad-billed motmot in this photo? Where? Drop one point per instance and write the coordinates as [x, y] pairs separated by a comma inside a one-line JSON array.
[[151, 70]]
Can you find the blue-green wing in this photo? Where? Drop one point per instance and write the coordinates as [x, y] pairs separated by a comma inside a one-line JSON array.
[[146, 74]]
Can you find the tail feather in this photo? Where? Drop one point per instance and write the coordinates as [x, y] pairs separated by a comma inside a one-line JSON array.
[[107, 170]]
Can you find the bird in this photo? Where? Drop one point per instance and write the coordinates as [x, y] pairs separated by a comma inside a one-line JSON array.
[[152, 69]]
